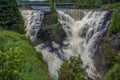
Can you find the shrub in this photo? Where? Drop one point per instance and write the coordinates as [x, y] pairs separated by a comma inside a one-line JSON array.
[[111, 63], [113, 73], [10, 64], [72, 70], [115, 24], [114, 7]]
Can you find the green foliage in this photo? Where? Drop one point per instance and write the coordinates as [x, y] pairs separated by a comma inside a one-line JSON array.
[[53, 11], [98, 3], [10, 62], [94, 3], [72, 70], [56, 31], [64, 1], [111, 62], [56, 28], [18, 59], [114, 7], [113, 73], [108, 58], [117, 58], [111, 59], [89, 3], [115, 24], [10, 17], [110, 1]]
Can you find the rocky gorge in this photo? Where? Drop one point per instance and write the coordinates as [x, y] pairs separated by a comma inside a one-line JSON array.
[[81, 33]]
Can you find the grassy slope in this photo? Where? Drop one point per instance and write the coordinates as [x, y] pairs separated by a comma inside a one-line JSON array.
[[32, 67]]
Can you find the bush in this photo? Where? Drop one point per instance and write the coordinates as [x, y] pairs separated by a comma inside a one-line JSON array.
[[111, 62], [113, 73], [10, 62], [72, 70], [114, 7], [115, 24]]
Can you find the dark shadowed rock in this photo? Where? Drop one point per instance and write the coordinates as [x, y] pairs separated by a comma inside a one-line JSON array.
[[115, 41]]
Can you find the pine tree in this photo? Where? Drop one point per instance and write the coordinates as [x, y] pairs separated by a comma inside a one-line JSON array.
[[10, 17], [53, 10]]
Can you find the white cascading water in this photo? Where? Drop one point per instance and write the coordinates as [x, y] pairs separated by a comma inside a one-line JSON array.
[[84, 33], [33, 20]]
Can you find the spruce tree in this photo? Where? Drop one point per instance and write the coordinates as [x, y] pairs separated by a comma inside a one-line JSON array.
[[53, 10], [10, 17]]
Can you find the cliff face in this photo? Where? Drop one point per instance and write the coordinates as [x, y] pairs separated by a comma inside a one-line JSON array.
[[51, 31], [108, 51]]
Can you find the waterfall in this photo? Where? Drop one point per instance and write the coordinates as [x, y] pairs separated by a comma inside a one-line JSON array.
[[33, 20], [84, 33], [84, 29]]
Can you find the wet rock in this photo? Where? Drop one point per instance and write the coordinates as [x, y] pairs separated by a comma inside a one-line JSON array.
[[44, 35], [115, 41]]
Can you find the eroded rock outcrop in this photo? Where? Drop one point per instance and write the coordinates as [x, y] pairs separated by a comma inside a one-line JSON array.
[[115, 41]]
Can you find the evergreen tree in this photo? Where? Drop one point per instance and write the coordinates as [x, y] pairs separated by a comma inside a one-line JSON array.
[[10, 17], [98, 3], [53, 10]]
